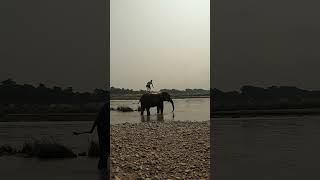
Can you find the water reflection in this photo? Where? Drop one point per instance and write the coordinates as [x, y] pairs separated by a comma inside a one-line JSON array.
[[158, 117]]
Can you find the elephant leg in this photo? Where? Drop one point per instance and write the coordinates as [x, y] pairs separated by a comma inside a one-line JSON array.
[[148, 111], [142, 110], [161, 108]]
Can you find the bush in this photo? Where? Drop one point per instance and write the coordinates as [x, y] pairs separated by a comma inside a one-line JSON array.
[[26, 148], [124, 109], [7, 150], [52, 151], [46, 149]]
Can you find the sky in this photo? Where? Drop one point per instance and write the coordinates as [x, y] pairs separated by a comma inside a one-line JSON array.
[[261, 43], [167, 41], [265, 43], [61, 43]]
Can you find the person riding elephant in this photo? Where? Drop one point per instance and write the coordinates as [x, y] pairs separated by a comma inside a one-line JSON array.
[[149, 85], [149, 100]]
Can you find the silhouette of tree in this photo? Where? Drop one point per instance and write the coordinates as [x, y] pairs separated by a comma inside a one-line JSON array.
[[251, 97], [13, 93]]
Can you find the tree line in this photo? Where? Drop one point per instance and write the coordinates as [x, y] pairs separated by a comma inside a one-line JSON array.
[[274, 97], [175, 92], [13, 93], [249, 97]]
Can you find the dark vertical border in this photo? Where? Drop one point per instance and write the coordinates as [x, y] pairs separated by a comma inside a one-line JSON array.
[[212, 53], [107, 45], [108, 41]]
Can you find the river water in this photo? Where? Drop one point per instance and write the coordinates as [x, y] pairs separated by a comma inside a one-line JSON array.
[[193, 109], [16, 133], [267, 148]]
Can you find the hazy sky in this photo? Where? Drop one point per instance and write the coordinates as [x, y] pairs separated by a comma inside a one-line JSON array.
[[263, 43], [60, 42], [266, 42], [167, 41]]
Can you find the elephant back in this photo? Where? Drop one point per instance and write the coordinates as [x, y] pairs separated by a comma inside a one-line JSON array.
[[150, 96]]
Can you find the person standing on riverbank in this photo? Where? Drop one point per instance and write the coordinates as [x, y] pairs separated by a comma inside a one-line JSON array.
[[103, 127]]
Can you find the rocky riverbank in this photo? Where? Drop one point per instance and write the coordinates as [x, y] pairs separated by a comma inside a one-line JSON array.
[[160, 150]]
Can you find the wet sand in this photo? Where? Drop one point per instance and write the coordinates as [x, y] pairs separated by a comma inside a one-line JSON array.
[[160, 150]]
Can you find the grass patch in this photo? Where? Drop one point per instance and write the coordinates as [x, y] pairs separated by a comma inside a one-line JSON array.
[[45, 149], [51, 150], [124, 108], [7, 150]]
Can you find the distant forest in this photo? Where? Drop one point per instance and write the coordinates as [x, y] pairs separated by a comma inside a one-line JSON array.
[[255, 98], [173, 92], [249, 97], [13, 93]]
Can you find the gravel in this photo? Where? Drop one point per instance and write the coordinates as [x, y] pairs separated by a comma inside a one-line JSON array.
[[160, 150]]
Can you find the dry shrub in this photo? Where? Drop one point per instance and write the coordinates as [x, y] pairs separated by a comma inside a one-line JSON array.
[[7, 150], [46, 149], [124, 108]]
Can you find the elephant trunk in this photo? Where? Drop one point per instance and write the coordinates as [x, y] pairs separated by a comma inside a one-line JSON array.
[[172, 105]]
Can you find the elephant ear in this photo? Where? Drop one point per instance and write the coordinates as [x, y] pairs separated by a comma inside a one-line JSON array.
[[166, 96], [163, 95]]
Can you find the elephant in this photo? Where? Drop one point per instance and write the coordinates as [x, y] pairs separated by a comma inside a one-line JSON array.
[[149, 100]]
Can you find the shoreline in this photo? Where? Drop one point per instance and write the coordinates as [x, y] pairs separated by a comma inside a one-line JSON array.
[[61, 117]]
